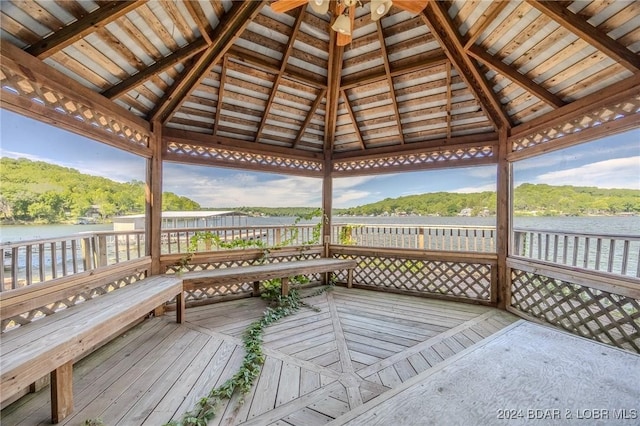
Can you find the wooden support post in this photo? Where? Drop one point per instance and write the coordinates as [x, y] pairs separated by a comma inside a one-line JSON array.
[[503, 221], [421, 238], [180, 308], [256, 289], [285, 286], [61, 392], [153, 246], [349, 278], [327, 202], [159, 311]]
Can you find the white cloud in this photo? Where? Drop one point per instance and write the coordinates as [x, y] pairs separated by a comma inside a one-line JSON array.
[[614, 173]]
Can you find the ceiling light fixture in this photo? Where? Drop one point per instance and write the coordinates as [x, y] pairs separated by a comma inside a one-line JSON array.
[[379, 8], [342, 25], [319, 6]]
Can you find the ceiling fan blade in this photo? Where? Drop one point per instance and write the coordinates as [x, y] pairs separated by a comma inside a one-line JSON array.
[[344, 39], [281, 6], [411, 6]]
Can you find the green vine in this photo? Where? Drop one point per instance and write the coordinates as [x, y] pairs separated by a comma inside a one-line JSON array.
[[213, 240], [243, 379]]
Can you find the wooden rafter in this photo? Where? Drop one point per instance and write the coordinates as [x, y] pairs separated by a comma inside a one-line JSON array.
[[497, 65], [224, 35], [283, 66], [333, 91], [183, 54], [439, 22], [448, 66], [223, 80], [82, 27], [488, 19], [589, 33], [392, 91], [309, 116], [200, 19], [353, 119]]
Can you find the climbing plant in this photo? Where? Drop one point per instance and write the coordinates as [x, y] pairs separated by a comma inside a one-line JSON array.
[[242, 381]]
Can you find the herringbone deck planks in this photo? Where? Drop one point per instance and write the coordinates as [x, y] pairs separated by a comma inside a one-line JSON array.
[[319, 365]]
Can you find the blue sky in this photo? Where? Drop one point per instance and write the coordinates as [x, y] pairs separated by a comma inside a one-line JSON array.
[[613, 162]]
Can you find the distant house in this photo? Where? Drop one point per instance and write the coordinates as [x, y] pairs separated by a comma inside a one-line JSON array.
[[466, 212], [183, 219]]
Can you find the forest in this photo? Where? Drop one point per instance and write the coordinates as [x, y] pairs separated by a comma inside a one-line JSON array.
[[39, 192], [529, 199]]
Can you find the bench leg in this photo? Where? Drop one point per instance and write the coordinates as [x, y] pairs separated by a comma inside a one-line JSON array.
[[349, 278], [180, 308], [61, 392], [285, 286], [256, 289]]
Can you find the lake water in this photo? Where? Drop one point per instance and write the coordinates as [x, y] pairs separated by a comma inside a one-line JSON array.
[[618, 225]]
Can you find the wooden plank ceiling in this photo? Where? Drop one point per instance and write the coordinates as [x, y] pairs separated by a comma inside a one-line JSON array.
[[240, 72]]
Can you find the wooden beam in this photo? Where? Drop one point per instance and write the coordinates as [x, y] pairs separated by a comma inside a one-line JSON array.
[[504, 188], [448, 66], [153, 197], [620, 91], [588, 33], [224, 35], [333, 92], [310, 114], [283, 65], [82, 27], [353, 119], [42, 75], [223, 81], [194, 9], [512, 74], [488, 19], [438, 21], [184, 136], [387, 69], [137, 79]]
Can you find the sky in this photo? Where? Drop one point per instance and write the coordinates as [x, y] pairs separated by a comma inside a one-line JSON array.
[[612, 162]]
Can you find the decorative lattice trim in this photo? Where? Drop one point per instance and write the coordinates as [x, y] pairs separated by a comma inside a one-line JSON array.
[[443, 155], [607, 317], [589, 120], [458, 279], [43, 311], [239, 158], [60, 104]]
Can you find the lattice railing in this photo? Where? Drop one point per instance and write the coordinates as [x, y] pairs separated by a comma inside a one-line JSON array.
[[589, 120], [230, 262], [596, 314], [58, 103], [42, 311], [451, 155], [454, 278], [213, 154]]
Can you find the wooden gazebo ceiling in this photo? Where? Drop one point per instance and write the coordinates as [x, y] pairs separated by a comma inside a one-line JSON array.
[[237, 71]]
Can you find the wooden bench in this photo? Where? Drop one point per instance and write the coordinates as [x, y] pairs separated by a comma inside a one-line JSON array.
[[256, 273], [51, 345]]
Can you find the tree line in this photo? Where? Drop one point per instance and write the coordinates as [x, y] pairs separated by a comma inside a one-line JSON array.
[[528, 199], [36, 191]]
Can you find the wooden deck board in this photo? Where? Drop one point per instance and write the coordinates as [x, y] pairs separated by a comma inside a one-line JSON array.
[[319, 365]]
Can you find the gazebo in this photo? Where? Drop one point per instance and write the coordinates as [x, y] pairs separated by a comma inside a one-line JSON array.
[[278, 86]]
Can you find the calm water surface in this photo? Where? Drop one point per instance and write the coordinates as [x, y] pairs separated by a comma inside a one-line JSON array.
[[627, 226]]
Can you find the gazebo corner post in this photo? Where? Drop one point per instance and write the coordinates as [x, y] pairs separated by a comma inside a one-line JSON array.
[[504, 211], [153, 194], [327, 202]]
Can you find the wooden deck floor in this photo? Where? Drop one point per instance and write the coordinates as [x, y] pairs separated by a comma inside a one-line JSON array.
[[319, 365]]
